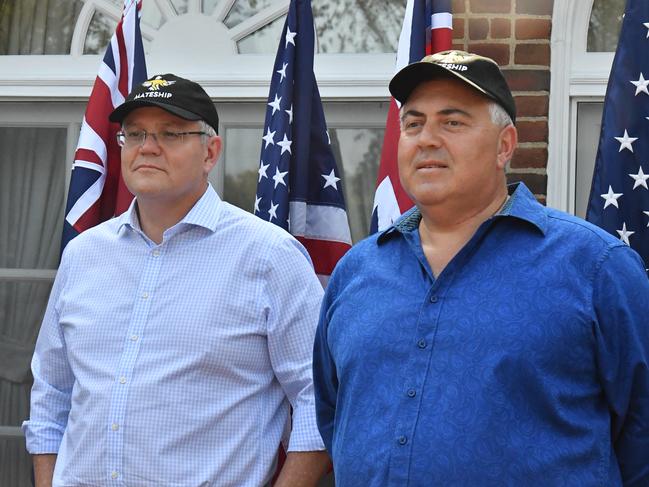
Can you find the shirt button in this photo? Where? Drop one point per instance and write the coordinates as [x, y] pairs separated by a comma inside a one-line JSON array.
[[421, 343], [402, 440], [155, 253], [145, 295], [122, 380], [114, 426], [411, 393], [114, 475], [134, 338], [433, 299]]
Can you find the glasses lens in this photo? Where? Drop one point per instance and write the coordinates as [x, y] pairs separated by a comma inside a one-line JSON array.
[[169, 138]]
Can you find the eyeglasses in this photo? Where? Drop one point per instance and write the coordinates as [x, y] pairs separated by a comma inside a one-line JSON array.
[[166, 138]]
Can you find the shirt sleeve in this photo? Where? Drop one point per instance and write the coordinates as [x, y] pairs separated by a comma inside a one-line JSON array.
[[295, 295], [53, 378], [621, 304], [325, 380]]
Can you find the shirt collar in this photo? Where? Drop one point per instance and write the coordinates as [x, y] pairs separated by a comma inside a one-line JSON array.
[[521, 205], [205, 213]]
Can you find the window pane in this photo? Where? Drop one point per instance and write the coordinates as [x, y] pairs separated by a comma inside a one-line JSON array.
[[37, 27], [358, 153], [15, 462], [338, 23], [357, 26], [22, 306], [263, 41], [589, 122], [180, 6], [242, 9], [100, 31], [605, 22], [209, 6], [242, 149], [32, 175], [151, 14]]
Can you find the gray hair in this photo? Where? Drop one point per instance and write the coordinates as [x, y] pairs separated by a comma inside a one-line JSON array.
[[498, 115], [207, 128]]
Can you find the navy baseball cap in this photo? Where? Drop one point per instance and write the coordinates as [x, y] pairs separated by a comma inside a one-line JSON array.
[[179, 96]]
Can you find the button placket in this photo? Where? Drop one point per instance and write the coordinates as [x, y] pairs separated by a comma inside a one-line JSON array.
[[124, 373]]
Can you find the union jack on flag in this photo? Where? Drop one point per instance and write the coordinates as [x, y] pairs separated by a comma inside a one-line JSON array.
[[427, 29], [299, 184], [97, 191], [619, 198]]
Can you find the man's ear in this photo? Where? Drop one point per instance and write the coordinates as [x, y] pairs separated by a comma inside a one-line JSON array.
[[507, 141], [214, 146]]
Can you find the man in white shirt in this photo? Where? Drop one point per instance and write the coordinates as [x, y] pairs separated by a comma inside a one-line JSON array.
[[178, 334]]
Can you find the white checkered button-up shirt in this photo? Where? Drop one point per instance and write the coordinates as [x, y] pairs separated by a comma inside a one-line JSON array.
[[174, 364]]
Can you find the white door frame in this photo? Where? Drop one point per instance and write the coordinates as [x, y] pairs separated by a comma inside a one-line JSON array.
[[574, 73]]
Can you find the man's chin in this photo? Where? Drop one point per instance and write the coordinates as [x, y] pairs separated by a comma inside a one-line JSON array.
[[426, 195], [145, 189]]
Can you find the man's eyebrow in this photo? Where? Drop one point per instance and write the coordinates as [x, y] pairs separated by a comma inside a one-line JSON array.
[[455, 111], [411, 113], [445, 112]]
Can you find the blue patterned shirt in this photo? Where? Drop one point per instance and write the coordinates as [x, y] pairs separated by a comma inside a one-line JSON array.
[[174, 364], [525, 362]]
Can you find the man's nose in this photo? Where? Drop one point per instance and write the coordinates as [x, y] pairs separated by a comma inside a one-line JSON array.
[[150, 143], [430, 135]]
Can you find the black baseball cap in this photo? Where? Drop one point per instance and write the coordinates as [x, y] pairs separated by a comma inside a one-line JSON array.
[[482, 73], [172, 93]]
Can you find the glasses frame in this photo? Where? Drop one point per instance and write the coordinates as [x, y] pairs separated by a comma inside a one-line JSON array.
[[123, 138]]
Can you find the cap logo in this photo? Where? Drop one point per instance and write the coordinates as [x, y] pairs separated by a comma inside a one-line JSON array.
[[454, 67], [156, 83], [451, 57]]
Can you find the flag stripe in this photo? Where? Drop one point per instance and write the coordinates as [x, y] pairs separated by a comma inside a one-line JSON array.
[[329, 253], [319, 222], [442, 20], [89, 159], [123, 62], [90, 140], [86, 201]]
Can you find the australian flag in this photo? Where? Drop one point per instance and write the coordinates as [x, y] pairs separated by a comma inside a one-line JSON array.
[[619, 197], [299, 185], [427, 29], [97, 191]]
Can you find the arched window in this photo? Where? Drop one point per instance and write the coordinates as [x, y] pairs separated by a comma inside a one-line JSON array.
[[584, 38]]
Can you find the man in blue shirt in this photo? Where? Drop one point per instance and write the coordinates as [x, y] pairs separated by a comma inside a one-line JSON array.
[[482, 339], [178, 334]]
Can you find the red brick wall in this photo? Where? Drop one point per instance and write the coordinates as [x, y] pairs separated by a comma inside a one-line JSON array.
[[515, 33]]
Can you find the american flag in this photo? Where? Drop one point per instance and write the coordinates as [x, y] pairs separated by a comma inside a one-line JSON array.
[[619, 197], [427, 28], [299, 185], [97, 191]]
